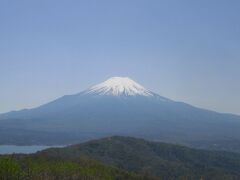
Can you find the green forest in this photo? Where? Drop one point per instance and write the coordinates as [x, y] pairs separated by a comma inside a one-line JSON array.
[[122, 158], [44, 168]]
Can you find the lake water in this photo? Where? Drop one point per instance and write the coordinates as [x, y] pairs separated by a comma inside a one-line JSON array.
[[10, 149]]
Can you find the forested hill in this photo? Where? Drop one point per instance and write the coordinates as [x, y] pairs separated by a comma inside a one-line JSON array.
[[154, 158], [38, 167], [122, 158]]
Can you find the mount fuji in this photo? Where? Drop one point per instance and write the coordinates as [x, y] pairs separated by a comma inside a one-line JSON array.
[[118, 86], [120, 106]]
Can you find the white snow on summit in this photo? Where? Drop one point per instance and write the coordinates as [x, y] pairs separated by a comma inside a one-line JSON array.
[[119, 86]]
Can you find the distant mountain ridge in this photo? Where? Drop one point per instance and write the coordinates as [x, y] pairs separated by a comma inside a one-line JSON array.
[[120, 106]]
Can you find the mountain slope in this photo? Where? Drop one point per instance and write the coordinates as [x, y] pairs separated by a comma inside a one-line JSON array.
[[120, 106], [160, 159], [37, 167]]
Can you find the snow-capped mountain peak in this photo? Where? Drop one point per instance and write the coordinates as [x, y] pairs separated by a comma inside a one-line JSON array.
[[118, 86]]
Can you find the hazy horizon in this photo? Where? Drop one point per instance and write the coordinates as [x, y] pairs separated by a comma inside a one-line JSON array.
[[186, 51]]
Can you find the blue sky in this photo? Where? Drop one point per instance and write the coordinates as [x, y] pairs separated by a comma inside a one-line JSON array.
[[184, 50]]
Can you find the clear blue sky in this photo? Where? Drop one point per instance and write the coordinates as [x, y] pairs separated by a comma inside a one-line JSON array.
[[184, 50]]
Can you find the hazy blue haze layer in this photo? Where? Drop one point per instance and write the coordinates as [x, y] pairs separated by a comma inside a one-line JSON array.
[[10, 149]]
